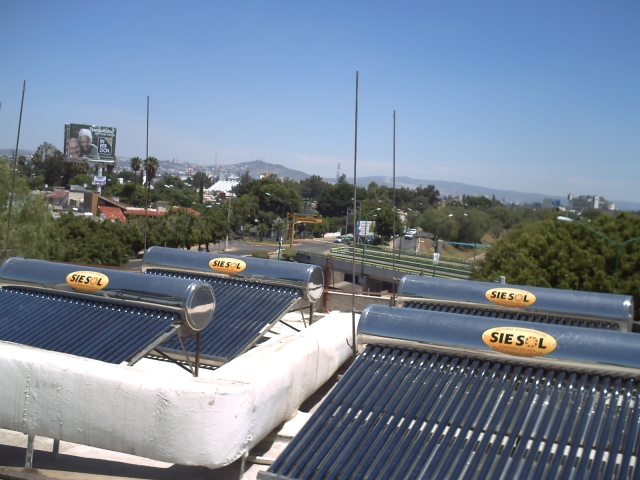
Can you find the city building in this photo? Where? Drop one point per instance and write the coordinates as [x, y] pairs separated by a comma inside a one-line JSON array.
[[45, 150], [590, 202]]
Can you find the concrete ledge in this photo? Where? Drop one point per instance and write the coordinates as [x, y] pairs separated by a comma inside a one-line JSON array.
[[208, 421]]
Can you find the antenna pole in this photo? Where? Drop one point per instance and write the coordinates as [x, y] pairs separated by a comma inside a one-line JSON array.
[[13, 181], [355, 193], [393, 241], [146, 217]]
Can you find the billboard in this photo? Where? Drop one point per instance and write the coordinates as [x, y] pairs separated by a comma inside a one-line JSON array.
[[89, 143], [99, 180], [365, 228]]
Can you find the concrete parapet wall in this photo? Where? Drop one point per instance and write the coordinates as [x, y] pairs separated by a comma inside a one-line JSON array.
[[209, 421], [343, 302]]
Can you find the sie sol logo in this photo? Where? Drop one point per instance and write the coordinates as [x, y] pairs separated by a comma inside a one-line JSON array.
[[87, 281], [510, 297], [521, 342], [230, 266]]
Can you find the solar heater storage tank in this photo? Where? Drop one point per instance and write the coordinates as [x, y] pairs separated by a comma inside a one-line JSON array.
[[252, 293], [433, 395], [104, 314], [516, 302]]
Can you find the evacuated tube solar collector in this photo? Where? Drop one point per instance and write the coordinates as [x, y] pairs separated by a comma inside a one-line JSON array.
[[590, 306], [434, 395], [308, 278], [194, 301]]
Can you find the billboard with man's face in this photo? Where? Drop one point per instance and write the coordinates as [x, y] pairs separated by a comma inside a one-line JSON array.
[[89, 143]]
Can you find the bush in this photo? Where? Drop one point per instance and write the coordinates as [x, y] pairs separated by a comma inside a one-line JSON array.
[[260, 254], [289, 255]]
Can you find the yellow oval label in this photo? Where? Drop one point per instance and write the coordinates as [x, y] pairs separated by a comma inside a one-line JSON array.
[[87, 281], [521, 342], [230, 266], [510, 297]]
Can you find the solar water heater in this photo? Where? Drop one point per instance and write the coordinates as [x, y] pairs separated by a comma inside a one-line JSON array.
[[108, 315], [515, 302], [432, 395], [252, 295]]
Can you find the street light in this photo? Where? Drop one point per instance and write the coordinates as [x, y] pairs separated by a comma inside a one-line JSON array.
[[617, 244], [475, 235], [279, 225], [366, 224], [438, 228]]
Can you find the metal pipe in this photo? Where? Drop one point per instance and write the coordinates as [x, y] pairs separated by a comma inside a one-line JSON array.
[[325, 297], [28, 461], [197, 363]]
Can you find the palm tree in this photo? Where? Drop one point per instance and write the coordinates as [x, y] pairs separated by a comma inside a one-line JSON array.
[[136, 163], [151, 166]]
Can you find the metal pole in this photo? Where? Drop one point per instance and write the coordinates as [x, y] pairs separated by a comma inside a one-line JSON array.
[[15, 163], [475, 243], [325, 296], [197, 366], [355, 205], [279, 235], [393, 242], [364, 248], [146, 217], [28, 461], [184, 240], [226, 239], [346, 223]]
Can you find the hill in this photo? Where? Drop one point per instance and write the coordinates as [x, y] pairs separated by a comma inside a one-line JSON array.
[[256, 167], [457, 188]]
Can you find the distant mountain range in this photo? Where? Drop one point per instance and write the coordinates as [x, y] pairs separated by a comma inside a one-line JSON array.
[[445, 188], [456, 188], [257, 167]]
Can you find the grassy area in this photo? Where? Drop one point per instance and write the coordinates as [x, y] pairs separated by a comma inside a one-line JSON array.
[[456, 251]]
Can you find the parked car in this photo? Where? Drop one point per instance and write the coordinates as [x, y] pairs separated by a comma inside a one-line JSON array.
[[339, 240], [408, 235]]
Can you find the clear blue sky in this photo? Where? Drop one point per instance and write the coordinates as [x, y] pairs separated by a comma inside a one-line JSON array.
[[530, 96]]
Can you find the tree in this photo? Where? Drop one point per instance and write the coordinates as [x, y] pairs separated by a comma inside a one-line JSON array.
[[136, 164], [31, 222], [384, 222], [548, 253], [201, 180], [84, 240], [245, 209], [151, 166], [336, 199], [312, 187], [426, 196], [278, 193], [245, 179], [130, 193]]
